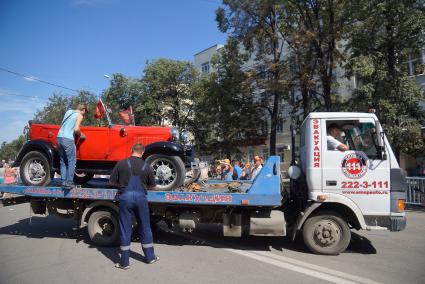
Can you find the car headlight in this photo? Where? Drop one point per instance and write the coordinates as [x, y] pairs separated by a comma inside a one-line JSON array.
[[175, 134], [184, 137]]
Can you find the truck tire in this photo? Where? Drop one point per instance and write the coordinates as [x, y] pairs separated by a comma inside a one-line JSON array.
[[103, 228], [169, 171], [82, 177], [35, 169], [326, 233]]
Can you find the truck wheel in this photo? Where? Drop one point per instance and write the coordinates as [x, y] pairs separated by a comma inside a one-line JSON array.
[[35, 169], [103, 228], [326, 233], [169, 171], [82, 177]]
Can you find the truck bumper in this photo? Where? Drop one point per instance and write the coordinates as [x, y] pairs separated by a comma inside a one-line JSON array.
[[393, 223]]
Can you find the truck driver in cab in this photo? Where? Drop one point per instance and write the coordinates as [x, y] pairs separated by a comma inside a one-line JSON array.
[[333, 143]]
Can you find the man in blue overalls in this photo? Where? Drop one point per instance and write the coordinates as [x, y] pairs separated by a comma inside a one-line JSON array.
[[134, 177]]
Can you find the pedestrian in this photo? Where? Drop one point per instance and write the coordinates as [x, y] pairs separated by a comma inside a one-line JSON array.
[[9, 174], [69, 130], [246, 172], [237, 170], [134, 177], [257, 167]]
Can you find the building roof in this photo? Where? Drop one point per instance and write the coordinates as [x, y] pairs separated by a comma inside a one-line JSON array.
[[215, 46]]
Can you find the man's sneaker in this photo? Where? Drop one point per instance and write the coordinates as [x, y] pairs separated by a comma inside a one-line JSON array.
[[154, 260]]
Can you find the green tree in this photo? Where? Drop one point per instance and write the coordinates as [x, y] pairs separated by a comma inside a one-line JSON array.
[[258, 25], [380, 40], [9, 151], [168, 91], [122, 93], [58, 104], [227, 114]]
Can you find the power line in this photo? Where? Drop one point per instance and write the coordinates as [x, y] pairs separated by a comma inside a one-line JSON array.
[[36, 79], [24, 96]]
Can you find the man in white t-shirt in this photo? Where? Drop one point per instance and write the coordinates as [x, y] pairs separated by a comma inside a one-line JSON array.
[[333, 144]]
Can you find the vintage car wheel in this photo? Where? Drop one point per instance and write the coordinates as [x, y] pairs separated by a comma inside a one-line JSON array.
[[82, 177], [169, 171], [35, 169]]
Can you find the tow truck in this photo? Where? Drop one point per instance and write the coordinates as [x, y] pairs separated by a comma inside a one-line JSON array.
[[329, 194]]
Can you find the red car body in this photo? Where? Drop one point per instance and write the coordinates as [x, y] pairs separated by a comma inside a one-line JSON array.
[[105, 143], [165, 152]]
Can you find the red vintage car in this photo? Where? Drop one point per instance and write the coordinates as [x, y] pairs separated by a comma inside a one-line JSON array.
[[167, 152]]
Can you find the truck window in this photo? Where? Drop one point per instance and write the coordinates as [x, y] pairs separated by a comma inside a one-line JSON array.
[[358, 136], [363, 138]]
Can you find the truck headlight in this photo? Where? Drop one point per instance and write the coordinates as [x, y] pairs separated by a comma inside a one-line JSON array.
[[175, 134]]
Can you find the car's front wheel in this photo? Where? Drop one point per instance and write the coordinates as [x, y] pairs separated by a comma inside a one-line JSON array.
[[35, 169], [169, 171]]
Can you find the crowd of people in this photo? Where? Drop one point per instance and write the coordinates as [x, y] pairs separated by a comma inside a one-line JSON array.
[[237, 170]]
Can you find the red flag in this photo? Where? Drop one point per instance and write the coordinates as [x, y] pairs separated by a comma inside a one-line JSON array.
[[125, 116], [100, 110]]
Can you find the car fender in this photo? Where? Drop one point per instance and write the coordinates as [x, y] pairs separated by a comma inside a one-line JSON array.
[[164, 148], [46, 147]]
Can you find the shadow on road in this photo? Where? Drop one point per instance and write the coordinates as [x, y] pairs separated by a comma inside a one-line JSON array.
[[208, 235]]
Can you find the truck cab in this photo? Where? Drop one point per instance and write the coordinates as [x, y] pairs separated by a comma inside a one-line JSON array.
[[363, 184]]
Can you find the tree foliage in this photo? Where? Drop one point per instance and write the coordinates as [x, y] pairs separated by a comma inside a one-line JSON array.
[[58, 104], [379, 42], [227, 114], [9, 151], [257, 25]]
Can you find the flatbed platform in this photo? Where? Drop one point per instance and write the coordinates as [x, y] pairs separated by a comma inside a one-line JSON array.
[[263, 191]]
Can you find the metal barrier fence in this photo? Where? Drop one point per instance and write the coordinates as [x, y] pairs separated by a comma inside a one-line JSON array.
[[415, 193]]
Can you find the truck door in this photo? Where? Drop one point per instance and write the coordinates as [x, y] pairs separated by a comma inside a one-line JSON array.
[[360, 174]]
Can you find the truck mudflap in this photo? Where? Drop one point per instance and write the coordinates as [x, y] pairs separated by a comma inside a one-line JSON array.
[[397, 223]]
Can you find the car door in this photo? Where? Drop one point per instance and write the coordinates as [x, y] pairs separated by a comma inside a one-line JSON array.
[[95, 147], [360, 174], [118, 146]]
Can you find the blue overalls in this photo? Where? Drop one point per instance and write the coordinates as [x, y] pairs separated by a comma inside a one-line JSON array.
[[133, 200]]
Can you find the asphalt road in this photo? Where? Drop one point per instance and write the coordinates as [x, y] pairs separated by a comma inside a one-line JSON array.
[[48, 250]]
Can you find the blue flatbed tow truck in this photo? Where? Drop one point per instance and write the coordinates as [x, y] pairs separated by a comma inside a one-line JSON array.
[[96, 205]]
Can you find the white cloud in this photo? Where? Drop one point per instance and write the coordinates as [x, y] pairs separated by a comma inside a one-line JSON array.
[[30, 78]]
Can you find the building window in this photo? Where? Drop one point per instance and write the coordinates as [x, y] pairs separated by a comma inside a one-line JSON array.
[[205, 67], [415, 65]]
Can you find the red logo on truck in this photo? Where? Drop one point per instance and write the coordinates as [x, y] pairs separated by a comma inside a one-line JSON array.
[[316, 143], [354, 165]]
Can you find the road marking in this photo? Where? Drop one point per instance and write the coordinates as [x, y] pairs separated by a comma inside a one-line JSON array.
[[338, 273], [320, 272], [285, 265]]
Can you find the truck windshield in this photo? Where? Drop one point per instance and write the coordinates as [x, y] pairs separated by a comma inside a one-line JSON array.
[[363, 138]]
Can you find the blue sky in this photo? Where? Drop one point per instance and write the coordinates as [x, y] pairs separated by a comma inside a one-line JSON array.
[[73, 43]]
